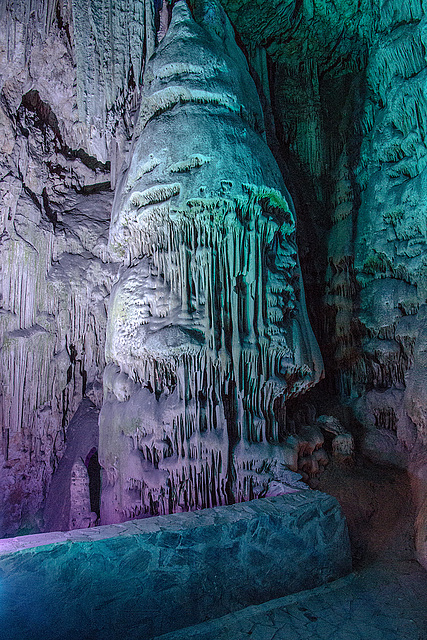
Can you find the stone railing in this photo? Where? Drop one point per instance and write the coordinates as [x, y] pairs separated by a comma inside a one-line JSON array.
[[147, 577]]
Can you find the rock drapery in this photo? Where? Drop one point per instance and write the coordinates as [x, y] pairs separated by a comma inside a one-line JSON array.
[[55, 274], [208, 332], [360, 185]]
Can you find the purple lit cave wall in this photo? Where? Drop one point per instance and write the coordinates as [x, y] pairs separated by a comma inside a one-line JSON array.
[[213, 258]]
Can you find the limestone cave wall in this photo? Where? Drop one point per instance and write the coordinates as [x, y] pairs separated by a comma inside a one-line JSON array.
[[55, 275], [342, 89], [347, 89]]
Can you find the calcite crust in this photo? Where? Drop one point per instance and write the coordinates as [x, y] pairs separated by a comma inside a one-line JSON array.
[[208, 333]]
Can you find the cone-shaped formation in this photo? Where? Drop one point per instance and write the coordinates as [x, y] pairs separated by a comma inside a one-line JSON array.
[[208, 330]]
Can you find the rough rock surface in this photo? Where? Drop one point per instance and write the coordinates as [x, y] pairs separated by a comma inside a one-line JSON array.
[[82, 447], [208, 332], [55, 278], [348, 94]]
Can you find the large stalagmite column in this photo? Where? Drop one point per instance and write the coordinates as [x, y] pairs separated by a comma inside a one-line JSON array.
[[208, 330]]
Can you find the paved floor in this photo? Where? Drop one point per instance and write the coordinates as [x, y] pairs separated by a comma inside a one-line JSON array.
[[386, 601]]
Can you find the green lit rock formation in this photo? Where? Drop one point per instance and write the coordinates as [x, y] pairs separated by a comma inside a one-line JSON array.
[[208, 332]]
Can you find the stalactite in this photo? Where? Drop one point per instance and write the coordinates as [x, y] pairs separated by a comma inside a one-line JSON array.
[[207, 325], [397, 56], [109, 42]]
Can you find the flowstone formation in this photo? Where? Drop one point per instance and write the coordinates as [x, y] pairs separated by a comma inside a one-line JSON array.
[[349, 103], [208, 333], [55, 204]]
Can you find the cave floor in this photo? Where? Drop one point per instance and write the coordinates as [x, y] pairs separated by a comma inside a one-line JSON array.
[[385, 598], [385, 601]]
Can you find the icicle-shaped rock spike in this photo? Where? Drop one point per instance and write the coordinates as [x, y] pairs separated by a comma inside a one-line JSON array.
[[207, 322]]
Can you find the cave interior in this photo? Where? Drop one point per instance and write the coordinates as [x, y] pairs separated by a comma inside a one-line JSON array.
[[213, 278]]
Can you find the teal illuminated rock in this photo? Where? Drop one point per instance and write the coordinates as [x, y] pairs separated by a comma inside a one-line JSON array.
[[208, 330]]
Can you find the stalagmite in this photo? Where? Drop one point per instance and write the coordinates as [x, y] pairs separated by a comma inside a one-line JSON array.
[[208, 332], [81, 516]]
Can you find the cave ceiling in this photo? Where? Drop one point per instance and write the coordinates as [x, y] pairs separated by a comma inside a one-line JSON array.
[[329, 34]]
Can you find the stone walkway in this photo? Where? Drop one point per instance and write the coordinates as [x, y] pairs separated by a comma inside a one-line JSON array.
[[386, 601]]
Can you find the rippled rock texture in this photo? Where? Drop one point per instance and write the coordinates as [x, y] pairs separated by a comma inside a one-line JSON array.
[[208, 332]]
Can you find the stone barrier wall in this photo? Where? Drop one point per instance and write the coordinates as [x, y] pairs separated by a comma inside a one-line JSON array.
[[147, 577]]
